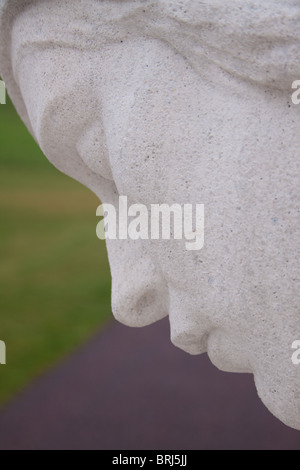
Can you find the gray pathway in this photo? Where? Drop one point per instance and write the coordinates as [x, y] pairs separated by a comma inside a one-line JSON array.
[[131, 389]]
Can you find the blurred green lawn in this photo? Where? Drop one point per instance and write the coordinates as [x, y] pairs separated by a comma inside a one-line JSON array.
[[54, 273]]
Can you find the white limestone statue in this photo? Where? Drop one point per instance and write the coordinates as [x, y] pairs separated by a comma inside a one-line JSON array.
[[169, 101]]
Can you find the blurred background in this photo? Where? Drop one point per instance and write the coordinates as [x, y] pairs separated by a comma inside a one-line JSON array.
[[54, 273], [75, 379]]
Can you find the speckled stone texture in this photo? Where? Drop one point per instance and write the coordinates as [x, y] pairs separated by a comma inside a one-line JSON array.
[[181, 102]]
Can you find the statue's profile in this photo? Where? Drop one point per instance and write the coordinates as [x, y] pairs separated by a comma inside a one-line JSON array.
[[170, 101]]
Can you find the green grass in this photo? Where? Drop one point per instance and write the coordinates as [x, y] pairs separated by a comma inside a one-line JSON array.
[[54, 273]]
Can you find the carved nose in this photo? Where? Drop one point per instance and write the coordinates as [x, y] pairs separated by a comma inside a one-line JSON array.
[[139, 293], [139, 306]]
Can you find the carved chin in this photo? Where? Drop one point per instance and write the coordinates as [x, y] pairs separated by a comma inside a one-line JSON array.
[[280, 395]]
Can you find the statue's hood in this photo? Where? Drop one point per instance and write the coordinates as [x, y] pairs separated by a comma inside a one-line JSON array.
[[9, 9], [254, 40]]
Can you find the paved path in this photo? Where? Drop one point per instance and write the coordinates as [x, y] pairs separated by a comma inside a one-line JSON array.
[[131, 389]]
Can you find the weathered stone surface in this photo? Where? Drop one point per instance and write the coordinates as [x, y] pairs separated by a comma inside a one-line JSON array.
[[181, 102]]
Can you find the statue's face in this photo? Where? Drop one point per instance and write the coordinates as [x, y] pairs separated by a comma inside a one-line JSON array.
[[136, 119]]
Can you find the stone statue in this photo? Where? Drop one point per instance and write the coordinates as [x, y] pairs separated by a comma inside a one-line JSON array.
[[168, 101]]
